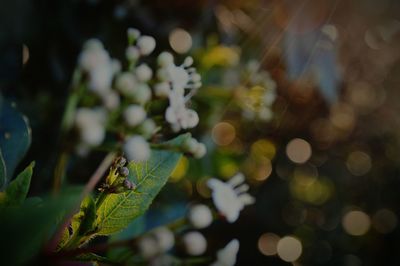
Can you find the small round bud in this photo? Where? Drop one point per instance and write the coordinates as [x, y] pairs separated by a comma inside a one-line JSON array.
[[195, 243], [200, 151], [120, 161], [129, 185], [146, 44], [190, 145], [143, 72], [165, 59], [188, 61], [132, 53], [133, 34], [200, 216], [134, 115], [123, 171], [162, 89]]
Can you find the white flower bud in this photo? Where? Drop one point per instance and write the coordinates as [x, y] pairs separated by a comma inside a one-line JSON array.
[[143, 72], [190, 145], [265, 114], [148, 247], [146, 44], [188, 61], [142, 94], [195, 243], [101, 79], [93, 44], [165, 59], [93, 134], [132, 53], [134, 115], [133, 33], [164, 237], [200, 216], [137, 149], [111, 100], [162, 90], [148, 127], [85, 116], [192, 118], [200, 151], [126, 83], [195, 77]]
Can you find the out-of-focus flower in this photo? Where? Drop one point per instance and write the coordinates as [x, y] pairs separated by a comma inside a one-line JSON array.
[[142, 93], [200, 216], [222, 56], [126, 83], [132, 53], [111, 100], [178, 115], [143, 72], [96, 61], [195, 243], [137, 149], [148, 247], [197, 149], [230, 197], [146, 44], [162, 89], [164, 237], [90, 123], [227, 255], [134, 115], [148, 127]]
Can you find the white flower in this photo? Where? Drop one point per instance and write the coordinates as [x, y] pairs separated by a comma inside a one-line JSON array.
[[227, 255], [164, 237], [265, 113], [148, 127], [195, 243], [230, 197], [146, 44], [133, 33], [111, 100], [200, 151], [162, 89], [132, 53], [165, 59], [137, 149], [126, 83], [93, 134], [142, 94], [134, 115], [95, 60], [90, 123], [178, 115], [200, 216], [148, 247], [143, 73]]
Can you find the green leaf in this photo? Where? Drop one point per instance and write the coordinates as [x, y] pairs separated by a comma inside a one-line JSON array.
[[3, 171], [116, 211], [17, 191], [82, 224], [93, 258], [15, 135], [24, 228]]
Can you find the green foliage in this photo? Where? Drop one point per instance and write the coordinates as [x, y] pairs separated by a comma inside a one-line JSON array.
[[17, 191], [113, 212], [24, 228], [15, 138], [116, 211]]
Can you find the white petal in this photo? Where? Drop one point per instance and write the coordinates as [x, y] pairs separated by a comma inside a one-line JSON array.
[[237, 180], [242, 188], [247, 199]]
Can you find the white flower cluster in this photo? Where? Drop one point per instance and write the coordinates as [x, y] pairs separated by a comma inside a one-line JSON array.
[[258, 99], [124, 96], [230, 197]]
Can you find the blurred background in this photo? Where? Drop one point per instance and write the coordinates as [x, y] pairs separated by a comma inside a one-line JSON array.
[[323, 163]]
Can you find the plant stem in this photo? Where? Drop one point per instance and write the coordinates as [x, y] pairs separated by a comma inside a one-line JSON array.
[[66, 124]]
